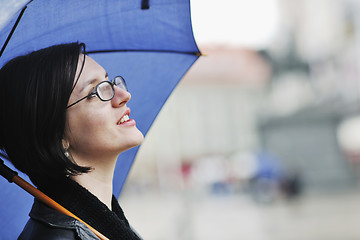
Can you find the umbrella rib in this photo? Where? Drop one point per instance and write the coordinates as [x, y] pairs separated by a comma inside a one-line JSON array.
[[12, 30], [144, 50]]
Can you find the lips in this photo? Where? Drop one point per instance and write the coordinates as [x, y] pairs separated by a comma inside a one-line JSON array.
[[125, 117]]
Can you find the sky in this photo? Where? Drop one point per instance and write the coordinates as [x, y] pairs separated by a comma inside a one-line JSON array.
[[250, 23]]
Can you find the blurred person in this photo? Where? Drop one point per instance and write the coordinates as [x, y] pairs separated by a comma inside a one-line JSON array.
[[265, 182], [291, 185], [64, 123]]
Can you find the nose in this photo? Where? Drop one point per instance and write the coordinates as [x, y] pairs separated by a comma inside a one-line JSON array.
[[121, 97]]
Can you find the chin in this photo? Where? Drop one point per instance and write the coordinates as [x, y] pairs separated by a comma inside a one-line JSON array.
[[133, 141], [138, 139]]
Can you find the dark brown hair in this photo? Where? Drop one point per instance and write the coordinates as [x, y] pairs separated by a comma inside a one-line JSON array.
[[34, 92]]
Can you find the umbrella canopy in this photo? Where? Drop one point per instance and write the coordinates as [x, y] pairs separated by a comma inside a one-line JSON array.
[[149, 43]]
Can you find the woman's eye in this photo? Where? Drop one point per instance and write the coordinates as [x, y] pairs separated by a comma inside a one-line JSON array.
[[91, 95]]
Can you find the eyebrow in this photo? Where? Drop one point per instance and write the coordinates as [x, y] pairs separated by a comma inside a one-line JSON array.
[[90, 82]]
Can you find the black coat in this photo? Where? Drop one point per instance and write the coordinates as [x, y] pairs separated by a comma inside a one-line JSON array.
[[47, 223]]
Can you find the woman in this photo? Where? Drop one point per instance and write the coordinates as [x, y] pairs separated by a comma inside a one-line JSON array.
[[63, 123]]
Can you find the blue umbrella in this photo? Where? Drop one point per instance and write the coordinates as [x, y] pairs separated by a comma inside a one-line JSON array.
[[150, 43]]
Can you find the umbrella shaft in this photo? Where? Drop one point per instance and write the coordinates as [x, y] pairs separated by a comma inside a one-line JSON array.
[[5, 171]]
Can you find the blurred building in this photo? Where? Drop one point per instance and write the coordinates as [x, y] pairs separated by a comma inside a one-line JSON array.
[[211, 113], [315, 87], [288, 99]]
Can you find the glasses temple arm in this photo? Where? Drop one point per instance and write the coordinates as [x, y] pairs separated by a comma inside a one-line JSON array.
[[78, 101]]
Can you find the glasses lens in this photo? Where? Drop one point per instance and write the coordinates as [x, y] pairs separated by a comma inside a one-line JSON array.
[[105, 91], [120, 82]]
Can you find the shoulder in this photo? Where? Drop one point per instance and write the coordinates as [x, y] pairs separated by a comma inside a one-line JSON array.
[[41, 231], [47, 223]]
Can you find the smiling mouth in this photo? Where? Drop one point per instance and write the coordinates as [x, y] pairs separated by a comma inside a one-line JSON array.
[[125, 118]]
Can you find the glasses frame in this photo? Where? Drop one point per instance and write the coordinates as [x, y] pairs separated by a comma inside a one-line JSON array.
[[121, 84]]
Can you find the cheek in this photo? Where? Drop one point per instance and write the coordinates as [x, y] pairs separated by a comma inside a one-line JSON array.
[[85, 128]]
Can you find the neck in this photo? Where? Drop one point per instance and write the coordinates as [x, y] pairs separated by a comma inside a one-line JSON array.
[[99, 181]]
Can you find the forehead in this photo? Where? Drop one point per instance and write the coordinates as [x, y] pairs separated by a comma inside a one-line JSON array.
[[91, 68]]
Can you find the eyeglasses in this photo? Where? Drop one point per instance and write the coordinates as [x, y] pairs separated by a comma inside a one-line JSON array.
[[105, 90]]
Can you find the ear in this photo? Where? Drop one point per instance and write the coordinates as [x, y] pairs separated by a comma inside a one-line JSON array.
[[65, 144]]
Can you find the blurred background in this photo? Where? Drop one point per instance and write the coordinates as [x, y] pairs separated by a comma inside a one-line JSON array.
[[261, 139]]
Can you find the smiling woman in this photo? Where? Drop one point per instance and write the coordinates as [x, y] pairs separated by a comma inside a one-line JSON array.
[[64, 124]]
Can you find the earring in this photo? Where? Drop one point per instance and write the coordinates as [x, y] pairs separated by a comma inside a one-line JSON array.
[[67, 154], [66, 146]]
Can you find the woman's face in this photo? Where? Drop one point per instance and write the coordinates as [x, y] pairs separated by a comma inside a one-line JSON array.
[[93, 126]]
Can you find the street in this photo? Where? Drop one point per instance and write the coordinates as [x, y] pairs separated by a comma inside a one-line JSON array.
[[190, 216]]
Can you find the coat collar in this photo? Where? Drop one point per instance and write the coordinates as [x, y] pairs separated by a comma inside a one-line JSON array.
[[90, 209]]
